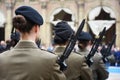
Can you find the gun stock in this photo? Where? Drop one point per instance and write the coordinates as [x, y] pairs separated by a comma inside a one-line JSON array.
[[69, 47]]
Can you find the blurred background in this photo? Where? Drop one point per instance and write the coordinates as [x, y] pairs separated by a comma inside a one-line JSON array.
[[98, 14]]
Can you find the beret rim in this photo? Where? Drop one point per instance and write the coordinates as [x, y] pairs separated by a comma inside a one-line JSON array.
[[30, 14]]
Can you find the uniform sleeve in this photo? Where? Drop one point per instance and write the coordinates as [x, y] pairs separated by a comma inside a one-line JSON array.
[[1, 69], [111, 58], [99, 68], [56, 73], [86, 72], [101, 71]]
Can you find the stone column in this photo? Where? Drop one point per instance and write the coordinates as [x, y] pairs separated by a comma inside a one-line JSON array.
[[45, 30], [9, 5], [8, 26], [81, 13], [48, 33], [118, 33]]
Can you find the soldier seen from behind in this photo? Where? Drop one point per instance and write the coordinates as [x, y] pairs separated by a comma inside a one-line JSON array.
[[98, 67], [26, 61], [77, 69]]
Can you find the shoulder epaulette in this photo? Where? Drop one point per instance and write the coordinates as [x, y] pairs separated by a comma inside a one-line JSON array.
[[47, 51], [76, 52]]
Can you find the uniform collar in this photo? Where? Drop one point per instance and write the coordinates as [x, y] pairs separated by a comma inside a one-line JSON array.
[[82, 50], [59, 49], [26, 44]]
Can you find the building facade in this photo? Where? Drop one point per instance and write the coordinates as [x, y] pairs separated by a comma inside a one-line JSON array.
[[98, 14]]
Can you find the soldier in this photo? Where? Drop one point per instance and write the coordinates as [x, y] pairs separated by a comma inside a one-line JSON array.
[[98, 67], [26, 61], [77, 68], [107, 57]]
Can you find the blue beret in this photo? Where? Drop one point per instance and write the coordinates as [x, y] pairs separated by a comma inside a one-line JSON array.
[[63, 31], [84, 36], [30, 14]]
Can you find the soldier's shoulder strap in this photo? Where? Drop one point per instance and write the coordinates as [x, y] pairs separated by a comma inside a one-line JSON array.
[[76, 52], [47, 51]]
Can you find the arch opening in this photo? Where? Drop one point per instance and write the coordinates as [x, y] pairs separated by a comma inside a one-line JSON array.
[[99, 18]]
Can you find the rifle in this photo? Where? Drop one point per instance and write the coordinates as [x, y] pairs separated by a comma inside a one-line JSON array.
[[15, 37], [12, 31], [69, 47], [94, 47], [108, 50]]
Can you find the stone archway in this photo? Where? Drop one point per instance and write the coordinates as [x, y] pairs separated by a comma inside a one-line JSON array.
[[60, 14], [2, 26], [99, 18]]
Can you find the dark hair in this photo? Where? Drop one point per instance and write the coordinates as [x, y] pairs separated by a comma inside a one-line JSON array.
[[22, 24], [83, 43], [60, 41]]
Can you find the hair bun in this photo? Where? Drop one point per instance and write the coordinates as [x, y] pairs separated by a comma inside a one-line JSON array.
[[19, 22]]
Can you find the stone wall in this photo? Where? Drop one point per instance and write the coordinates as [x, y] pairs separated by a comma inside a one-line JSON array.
[[80, 9]]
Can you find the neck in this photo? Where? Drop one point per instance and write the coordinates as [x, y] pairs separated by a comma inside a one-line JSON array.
[[30, 37]]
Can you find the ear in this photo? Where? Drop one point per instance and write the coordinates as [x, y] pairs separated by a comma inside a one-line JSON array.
[[36, 28]]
